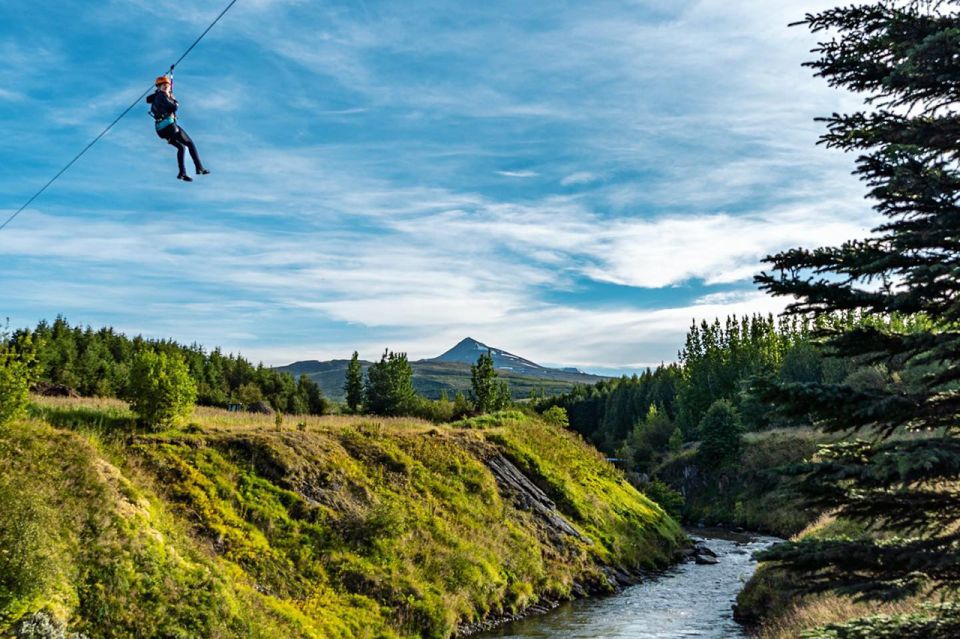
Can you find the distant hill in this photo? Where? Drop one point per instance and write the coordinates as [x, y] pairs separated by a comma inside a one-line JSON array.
[[450, 372]]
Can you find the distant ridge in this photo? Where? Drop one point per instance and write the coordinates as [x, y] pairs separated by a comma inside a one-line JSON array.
[[450, 373]]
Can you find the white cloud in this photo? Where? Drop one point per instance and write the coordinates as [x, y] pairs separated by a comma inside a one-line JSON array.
[[518, 174], [580, 177]]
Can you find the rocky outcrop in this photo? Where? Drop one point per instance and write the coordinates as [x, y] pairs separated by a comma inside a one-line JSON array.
[[528, 496]]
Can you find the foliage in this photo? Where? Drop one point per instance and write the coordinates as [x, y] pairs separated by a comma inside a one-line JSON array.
[[935, 622], [666, 497], [719, 359], [675, 443], [753, 494], [97, 363], [721, 435], [389, 388], [557, 416], [489, 393], [161, 391], [905, 274], [607, 412], [461, 406], [17, 372], [353, 384]]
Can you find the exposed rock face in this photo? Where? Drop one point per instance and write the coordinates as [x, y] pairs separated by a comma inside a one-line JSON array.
[[260, 407], [528, 496], [48, 389]]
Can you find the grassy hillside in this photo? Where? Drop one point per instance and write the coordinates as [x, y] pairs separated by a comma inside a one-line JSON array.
[[432, 378], [338, 527]]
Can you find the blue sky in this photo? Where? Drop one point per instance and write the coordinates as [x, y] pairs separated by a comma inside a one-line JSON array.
[[569, 181]]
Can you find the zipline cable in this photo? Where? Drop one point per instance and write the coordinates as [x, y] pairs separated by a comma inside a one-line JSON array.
[[119, 117]]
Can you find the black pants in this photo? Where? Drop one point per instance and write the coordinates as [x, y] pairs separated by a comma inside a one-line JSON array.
[[175, 136]]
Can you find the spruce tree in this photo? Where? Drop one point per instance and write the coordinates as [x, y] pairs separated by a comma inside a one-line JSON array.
[[902, 56], [353, 384], [721, 435]]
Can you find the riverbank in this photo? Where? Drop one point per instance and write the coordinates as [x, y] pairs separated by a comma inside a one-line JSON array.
[[337, 528], [688, 599]]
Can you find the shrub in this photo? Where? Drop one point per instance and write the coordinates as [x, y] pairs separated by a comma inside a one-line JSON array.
[[16, 375], [26, 520], [556, 415], [675, 444], [667, 498], [161, 392]]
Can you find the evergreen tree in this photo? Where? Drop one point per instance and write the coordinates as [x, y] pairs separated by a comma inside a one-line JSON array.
[[675, 443], [721, 436], [903, 57], [312, 396], [353, 384], [389, 388], [489, 393]]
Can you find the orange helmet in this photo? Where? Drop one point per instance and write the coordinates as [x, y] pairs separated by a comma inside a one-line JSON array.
[[162, 80]]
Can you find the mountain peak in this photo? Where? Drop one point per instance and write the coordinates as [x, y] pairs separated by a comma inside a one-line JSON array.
[[468, 350]]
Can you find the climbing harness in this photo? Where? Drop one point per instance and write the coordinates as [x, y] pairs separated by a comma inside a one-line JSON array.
[[119, 117]]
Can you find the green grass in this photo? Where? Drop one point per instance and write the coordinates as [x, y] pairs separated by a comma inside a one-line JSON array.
[[350, 528]]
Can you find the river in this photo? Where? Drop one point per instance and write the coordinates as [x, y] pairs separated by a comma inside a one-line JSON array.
[[689, 600]]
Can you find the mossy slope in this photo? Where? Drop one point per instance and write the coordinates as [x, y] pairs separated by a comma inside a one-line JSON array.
[[367, 530]]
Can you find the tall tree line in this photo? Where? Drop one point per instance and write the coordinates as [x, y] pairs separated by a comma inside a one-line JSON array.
[[716, 363], [98, 362]]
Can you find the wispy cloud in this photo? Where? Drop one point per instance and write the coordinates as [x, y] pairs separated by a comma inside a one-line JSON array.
[[400, 175], [580, 177], [518, 174]]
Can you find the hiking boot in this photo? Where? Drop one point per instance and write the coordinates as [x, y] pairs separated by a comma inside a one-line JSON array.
[[203, 172], [185, 177]]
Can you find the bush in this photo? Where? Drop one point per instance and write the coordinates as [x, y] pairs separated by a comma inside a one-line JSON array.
[[557, 416], [161, 392], [16, 375], [667, 498]]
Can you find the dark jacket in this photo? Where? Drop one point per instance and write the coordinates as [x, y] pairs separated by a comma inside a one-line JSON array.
[[162, 106]]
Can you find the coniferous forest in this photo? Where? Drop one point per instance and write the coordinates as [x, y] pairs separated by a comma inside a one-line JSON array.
[[97, 363]]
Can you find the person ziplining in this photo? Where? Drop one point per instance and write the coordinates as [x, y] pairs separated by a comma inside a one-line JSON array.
[[163, 108], [182, 139]]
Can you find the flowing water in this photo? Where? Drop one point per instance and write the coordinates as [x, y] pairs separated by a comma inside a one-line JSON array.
[[688, 600]]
